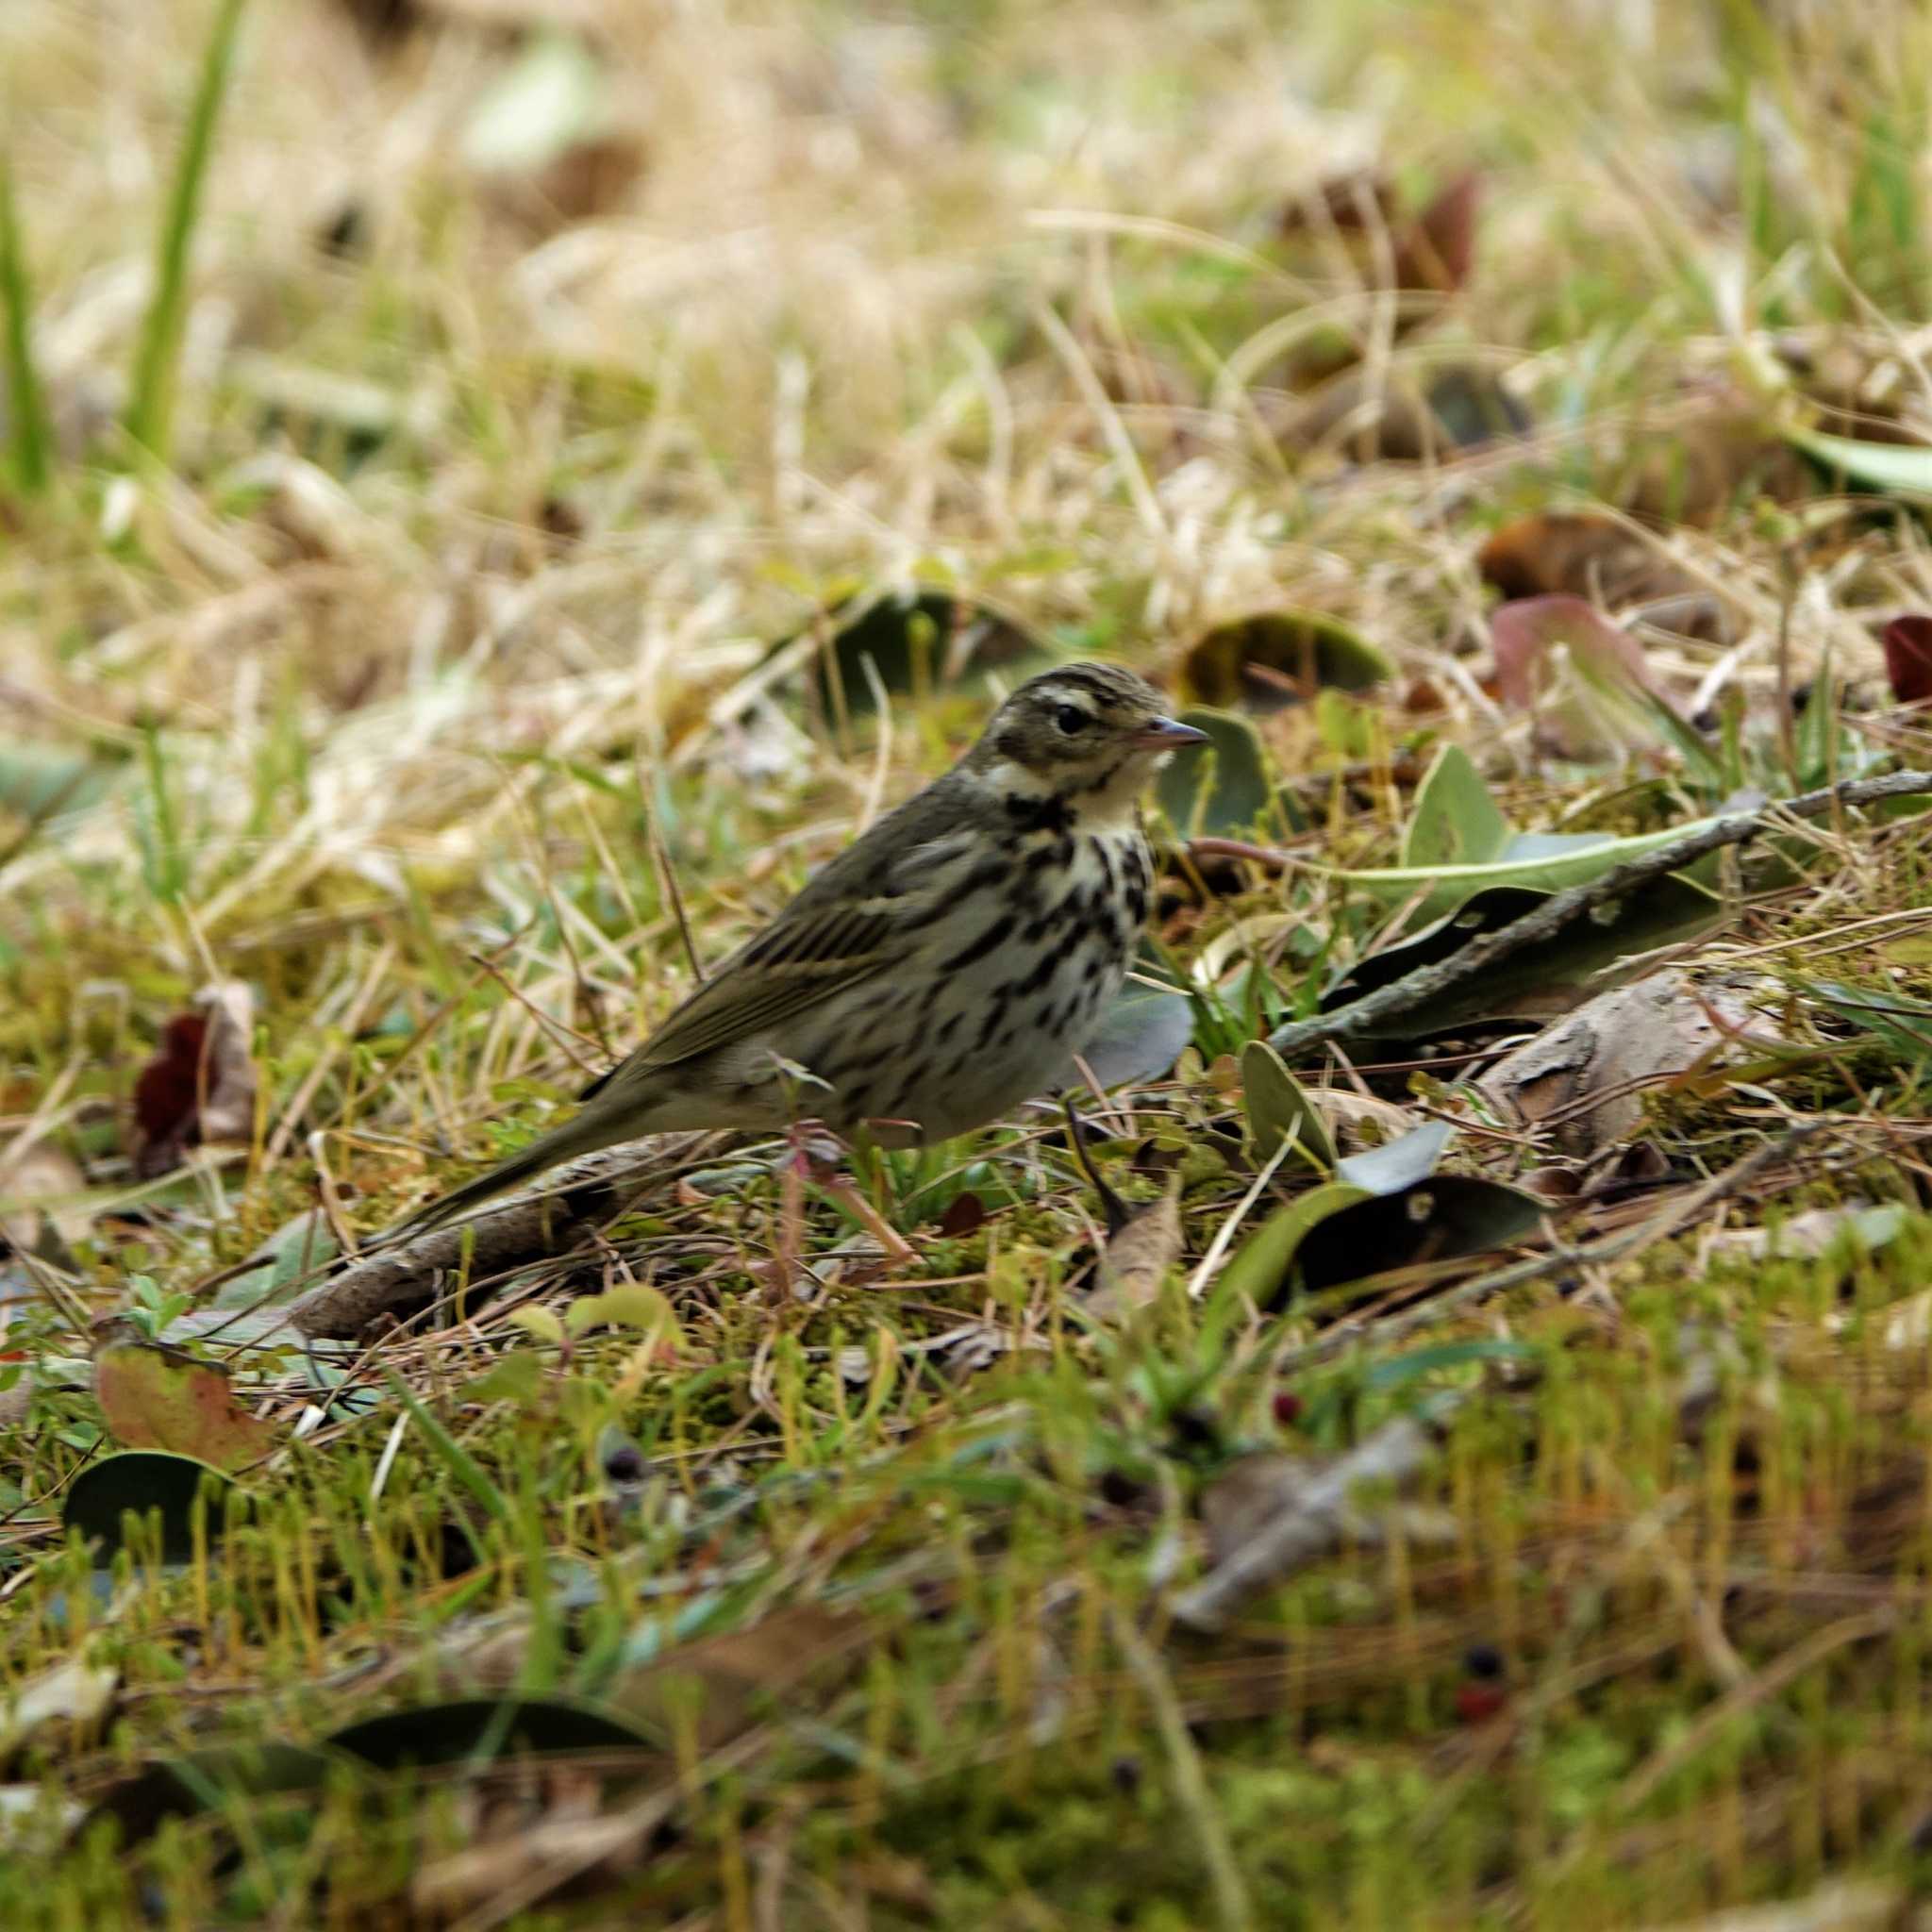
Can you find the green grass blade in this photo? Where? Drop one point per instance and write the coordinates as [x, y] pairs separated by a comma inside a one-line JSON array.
[[26, 406], [151, 400]]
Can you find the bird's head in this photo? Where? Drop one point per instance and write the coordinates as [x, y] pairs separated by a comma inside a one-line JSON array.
[[1091, 735]]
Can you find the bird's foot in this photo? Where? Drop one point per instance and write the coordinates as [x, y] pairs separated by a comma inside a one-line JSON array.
[[818, 1157]]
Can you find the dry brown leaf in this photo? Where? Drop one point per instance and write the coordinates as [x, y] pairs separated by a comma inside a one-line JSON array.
[[1585, 1078], [1592, 557], [742, 1671], [34, 1179], [75, 1694], [1135, 1258], [200, 1087]]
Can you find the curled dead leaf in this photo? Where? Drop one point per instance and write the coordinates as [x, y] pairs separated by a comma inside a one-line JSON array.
[[1908, 641], [1561, 553], [1137, 1258], [1585, 1078], [1583, 677], [200, 1087]]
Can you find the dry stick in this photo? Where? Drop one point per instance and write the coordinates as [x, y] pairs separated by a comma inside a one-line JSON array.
[[1360, 1017], [525, 1228]]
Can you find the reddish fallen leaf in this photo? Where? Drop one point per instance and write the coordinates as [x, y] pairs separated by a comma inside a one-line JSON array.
[[1476, 1702], [1909, 658], [1439, 249], [1350, 202], [157, 1397], [1527, 632], [1583, 677], [200, 1086], [964, 1213]]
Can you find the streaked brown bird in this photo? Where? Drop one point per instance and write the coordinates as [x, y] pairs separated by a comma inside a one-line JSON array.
[[937, 973]]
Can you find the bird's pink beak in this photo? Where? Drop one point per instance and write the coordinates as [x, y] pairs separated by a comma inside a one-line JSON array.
[[1167, 734]]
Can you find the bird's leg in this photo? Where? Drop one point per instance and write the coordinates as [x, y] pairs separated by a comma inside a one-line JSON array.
[[828, 1176]]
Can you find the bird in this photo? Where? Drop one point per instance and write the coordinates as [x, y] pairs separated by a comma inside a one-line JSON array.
[[937, 972]]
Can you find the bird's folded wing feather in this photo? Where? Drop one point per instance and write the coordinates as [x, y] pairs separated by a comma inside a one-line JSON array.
[[783, 972]]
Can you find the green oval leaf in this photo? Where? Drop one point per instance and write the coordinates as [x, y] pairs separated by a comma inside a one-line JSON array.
[[466, 1728], [1455, 822], [1218, 787], [1444, 887], [1262, 1263], [139, 1480], [1272, 659], [1277, 1106], [211, 1780], [1444, 1218]]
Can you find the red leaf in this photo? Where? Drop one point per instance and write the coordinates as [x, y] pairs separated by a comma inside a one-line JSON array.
[[156, 1397], [200, 1084], [1525, 632], [1909, 658], [165, 1092]]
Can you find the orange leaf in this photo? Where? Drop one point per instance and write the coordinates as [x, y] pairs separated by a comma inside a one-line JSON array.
[[157, 1397]]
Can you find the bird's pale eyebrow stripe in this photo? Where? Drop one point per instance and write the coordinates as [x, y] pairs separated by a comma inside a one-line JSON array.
[[979, 948]]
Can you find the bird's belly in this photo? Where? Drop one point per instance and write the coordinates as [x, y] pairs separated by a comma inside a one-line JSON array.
[[984, 1013]]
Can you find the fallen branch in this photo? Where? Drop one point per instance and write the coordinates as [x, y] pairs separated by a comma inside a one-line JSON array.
[[1363, 1016], [1313, 1528], [398, 1280]]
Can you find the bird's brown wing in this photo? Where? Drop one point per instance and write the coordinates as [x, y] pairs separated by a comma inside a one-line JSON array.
[[857, 917], [785, 970]]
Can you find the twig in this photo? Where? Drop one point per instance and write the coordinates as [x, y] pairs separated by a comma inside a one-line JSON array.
[[1360, 1017], [524, 1227], [1293, 1539]]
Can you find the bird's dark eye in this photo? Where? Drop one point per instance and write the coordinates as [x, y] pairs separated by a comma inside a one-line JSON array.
[[1070, 718]]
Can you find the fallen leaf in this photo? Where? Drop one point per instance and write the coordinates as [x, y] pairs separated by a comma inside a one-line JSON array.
[[457, 1730], [1137, 1255], [156, 1397], [42, 1189], [1268, 660], [1256, 1493], [1438, 250], [1578, 673], [1584, 1077], [1562, 553], [1702, 463], [1448, 1217], [211, 1779], [1137, 1038], [200, 1088], [1907, 643], [738, 1674], [1277, 1106], [919, 638], [1220, 787], [1297, 1520], [137, 1481], [1396, 417], [1541, 981]]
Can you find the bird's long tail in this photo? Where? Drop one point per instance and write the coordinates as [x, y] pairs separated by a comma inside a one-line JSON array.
[[586, 1134]]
